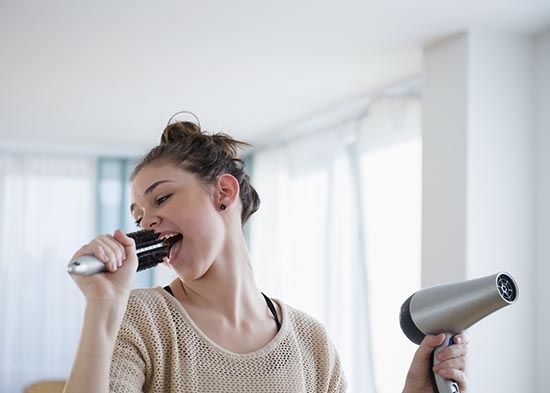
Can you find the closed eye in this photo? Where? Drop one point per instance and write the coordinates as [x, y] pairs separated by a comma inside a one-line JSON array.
[[159, 201]]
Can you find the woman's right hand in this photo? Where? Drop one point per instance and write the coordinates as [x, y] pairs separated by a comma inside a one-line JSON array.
[[118, 252]]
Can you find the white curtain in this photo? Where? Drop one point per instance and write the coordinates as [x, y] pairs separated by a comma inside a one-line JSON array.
[[337, 203], [306, 239], [390, 148], [46, 213]]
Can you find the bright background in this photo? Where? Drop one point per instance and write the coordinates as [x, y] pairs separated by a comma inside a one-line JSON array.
[[397, 145]]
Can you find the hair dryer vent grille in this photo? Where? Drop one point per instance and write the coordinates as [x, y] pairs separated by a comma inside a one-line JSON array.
[[507, 288]]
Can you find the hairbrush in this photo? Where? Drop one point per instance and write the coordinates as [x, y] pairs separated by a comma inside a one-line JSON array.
[[151, 248]]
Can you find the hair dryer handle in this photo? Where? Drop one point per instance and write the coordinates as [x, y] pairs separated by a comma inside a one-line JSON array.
[[444, 385]]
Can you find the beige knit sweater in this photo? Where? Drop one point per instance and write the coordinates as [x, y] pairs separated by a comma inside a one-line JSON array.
[[160, 349]]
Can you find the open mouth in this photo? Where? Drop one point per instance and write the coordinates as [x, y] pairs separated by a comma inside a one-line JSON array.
[[169, 239]]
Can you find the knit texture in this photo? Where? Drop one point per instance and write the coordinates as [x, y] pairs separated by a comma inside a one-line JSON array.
[[160, 349]]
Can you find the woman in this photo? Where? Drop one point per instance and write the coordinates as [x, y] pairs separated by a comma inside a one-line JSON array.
[[211, 329]]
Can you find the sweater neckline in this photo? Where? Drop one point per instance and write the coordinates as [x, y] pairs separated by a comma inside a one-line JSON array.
[[270, 346]]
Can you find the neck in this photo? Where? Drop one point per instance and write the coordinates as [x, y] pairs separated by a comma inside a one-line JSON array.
[[228, 288]]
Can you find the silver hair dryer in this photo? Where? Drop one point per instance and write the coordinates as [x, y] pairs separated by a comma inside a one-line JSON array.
[[451, 309]]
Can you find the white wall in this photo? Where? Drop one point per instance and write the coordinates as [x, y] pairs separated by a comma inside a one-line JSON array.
[[479, 189], [500, 192], [542, 204]]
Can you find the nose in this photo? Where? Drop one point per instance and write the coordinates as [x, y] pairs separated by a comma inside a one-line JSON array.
[[149, 221]]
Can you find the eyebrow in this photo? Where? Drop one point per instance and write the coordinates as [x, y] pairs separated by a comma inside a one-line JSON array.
[[149, 190]]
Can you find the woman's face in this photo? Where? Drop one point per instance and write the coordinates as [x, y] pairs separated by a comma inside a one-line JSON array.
[[170, 200]]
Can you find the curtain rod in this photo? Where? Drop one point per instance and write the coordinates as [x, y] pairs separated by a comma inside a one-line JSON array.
[[349, 113]]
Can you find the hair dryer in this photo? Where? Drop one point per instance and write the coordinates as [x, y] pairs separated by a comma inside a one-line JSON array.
[[451, 309]]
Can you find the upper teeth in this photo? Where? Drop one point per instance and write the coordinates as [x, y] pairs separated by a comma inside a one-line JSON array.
[[168, 236]]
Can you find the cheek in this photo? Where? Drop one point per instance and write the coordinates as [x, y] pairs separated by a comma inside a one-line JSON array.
[[202, 246], [209, 226], [199, 220], [203, 224]]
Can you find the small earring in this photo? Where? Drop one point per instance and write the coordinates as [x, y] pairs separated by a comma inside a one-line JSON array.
[[222, 206]]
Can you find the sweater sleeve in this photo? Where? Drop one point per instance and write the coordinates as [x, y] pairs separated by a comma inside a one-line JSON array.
[[127, 369], [128, 366], [337, 379], [322, 362]]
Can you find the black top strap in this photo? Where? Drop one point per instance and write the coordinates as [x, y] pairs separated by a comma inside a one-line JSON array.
[[169, 290], [270, 305], [273, 311]]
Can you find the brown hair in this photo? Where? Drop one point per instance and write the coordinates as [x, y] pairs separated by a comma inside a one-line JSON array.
[[207, 156]]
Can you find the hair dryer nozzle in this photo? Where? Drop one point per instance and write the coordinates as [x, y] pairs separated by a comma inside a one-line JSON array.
[[452, 308]]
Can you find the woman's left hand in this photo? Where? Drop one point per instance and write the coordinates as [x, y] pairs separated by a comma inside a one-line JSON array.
[[452, 364]]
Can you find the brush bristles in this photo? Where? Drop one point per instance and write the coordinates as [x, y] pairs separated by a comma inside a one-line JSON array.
[[149, 247], [151, 260], [145, 238]]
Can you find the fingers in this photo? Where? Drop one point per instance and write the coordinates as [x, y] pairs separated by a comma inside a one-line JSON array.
[[449, 367], [112, 250], [452, 361], [453, 370], [456, 351]]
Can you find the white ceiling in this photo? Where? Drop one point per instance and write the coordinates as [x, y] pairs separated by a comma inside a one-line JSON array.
[[110, 73]]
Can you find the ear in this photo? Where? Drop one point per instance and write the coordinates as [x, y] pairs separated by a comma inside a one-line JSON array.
[[227, 190]]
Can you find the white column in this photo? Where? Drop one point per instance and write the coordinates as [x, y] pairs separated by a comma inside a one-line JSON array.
[[478, 189], [445, 120], [542, 138]]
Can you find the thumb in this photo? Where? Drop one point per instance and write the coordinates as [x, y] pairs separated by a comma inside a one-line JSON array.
[[428, 344]]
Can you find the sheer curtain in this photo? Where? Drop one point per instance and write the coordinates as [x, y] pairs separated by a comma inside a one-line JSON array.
[[49, 206], [338, 204], [46, 213], [306, 239], [390, 150]]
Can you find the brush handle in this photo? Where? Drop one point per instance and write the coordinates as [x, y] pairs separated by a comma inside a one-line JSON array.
[[444, 385], [150, 251], [86, 265], [89, 264]]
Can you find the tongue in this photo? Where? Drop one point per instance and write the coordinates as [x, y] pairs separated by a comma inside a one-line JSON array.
[[174, 249]]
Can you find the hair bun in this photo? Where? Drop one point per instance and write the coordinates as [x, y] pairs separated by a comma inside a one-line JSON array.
[[180, 125], [176, 132]]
